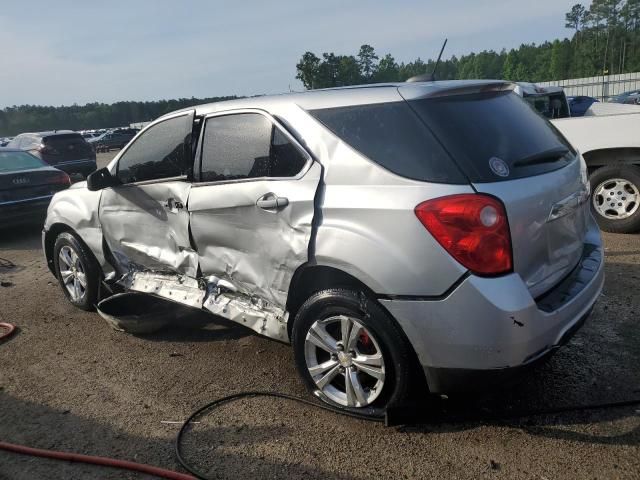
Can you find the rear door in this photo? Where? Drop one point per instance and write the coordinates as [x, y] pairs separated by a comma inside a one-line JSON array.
[[253, 205], [510, 151], [145, 221]]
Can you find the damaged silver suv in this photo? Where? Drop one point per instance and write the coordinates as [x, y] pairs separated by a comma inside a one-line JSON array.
[[443, 226]]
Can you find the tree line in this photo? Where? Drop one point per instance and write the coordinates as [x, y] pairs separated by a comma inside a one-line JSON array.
[[605, 39], [33, 118]]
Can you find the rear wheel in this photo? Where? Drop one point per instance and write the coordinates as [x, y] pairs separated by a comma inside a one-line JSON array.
[[615, 198], [349, 352], [77, 270]]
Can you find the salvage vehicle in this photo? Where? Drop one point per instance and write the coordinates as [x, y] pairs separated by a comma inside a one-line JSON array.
[[27, 185], [607, 137], [355, 224], [64, 149]]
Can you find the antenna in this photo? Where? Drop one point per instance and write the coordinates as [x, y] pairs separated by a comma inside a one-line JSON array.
[[435, 67], [430, 77]]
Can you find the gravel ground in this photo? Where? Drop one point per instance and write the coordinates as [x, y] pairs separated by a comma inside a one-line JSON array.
[[69, 382]]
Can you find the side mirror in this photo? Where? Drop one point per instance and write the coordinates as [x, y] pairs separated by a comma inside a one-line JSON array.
[[100, 179]]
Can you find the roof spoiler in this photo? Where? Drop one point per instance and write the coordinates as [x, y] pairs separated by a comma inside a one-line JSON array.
[[412, 93]]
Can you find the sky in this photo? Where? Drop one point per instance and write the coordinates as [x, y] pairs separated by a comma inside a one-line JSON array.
[[66, 52]]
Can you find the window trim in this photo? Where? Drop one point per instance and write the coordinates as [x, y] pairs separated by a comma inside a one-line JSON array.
[[197, 177], [116, 165]]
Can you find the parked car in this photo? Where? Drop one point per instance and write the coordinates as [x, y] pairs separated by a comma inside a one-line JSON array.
[[27, 185], [580, 104], [356, 225], [606, 136], [549, 101], [112, 140], [631, 97], [63, 149]]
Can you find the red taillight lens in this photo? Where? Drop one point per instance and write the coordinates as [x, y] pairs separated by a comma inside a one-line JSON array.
[[47, 150], [473, 228], [61, 178]]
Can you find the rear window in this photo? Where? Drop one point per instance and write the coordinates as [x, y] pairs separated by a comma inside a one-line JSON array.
[[393, 136], [63, 139], [17, 161], [495, 136]]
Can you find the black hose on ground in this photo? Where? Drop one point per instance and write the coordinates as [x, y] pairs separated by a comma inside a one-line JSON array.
[[390, 418]]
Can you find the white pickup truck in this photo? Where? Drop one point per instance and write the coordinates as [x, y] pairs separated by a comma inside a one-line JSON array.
[[608, 137]]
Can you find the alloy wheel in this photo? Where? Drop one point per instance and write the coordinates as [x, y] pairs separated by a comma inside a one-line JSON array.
[[345, 361], [72, 273]]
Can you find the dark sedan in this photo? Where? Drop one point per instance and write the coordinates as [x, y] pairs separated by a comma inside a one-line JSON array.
[[112, 140], [27, 185]]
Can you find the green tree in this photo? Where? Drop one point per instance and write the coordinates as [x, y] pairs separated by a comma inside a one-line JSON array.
[[307, 69], [367, 61], [575, 17], [387, 71]]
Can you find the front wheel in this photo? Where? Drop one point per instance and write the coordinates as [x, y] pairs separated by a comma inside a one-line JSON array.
[[77, 270], [349, 352], [615, 198]]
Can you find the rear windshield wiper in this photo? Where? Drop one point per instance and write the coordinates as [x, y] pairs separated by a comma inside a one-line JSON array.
[[547, 156]]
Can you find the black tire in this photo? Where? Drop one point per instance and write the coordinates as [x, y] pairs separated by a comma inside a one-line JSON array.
[[398, 355], [88, 264], [629, 173]]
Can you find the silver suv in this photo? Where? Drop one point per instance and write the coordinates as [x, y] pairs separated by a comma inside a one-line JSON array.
[[443, 226]]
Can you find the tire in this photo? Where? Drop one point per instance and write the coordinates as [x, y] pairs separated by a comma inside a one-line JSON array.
[[326, 311], [620, 183], [79, 260]]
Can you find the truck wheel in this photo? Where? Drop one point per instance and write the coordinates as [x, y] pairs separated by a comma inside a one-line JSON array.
[[615, 198], [350, 353]]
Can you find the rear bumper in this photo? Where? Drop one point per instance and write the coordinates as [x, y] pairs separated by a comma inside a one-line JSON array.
[[490, 329], [84, 166], [24, 211]]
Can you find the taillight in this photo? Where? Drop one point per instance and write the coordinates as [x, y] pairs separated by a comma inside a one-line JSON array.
[[47, 150], [473, 228], [61, 178]]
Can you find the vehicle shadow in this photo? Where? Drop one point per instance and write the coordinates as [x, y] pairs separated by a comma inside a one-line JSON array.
[[532, 405], [40, 426], [194, 325]]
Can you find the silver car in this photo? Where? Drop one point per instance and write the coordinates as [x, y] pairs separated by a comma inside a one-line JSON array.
[[396, 235]]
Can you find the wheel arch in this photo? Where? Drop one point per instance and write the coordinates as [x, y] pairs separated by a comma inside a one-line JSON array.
[[611, 156], [49, 241], [309, 279]]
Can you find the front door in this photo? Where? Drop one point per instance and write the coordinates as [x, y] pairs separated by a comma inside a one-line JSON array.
[[145, 221], [252, 205]]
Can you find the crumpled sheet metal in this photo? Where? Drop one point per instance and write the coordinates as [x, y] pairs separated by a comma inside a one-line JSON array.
[[177, 288], [264, 319], [140, 230], [256, 250]]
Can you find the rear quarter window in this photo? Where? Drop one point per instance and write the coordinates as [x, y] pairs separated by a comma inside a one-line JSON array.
[[394, 137]]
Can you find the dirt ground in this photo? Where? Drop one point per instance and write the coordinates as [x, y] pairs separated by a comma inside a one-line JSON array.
[[69, 382]]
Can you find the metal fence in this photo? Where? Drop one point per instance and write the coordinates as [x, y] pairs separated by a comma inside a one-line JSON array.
[[603, 87]]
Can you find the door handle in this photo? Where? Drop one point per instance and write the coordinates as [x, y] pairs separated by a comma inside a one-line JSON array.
[[271, 201]]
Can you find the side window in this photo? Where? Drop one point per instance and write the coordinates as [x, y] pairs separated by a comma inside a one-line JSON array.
[[163, 151], [247, 145]]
